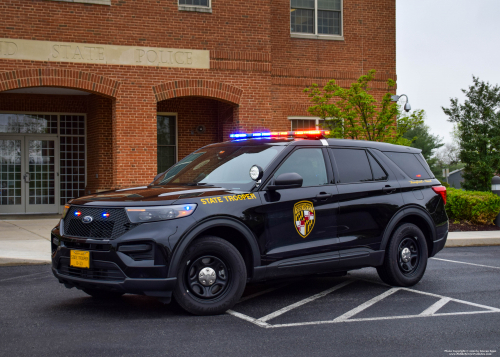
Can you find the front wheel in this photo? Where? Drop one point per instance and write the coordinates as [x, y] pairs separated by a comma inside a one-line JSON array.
[[405, 257], [211, 278]]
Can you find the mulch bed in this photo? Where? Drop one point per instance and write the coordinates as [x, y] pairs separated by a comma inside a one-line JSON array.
[[465, 226]]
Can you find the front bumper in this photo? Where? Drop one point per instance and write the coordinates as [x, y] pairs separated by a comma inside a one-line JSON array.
[[111, 269], [151, 287]]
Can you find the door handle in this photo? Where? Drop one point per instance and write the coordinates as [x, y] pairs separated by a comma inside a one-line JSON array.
[[388, 189], [27, 177], [324, 196]]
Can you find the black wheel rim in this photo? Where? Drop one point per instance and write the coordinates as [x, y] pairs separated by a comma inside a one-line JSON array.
[[408, 255], [204, 286]]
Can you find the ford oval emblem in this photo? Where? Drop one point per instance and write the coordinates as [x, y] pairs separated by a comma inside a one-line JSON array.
[[87, 219]]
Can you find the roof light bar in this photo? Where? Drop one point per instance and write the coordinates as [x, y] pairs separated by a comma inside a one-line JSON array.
[[301, 133]]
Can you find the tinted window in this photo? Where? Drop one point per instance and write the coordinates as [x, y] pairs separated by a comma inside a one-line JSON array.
[[353, 165], [378, 172], [220, 166], [309, 164], [409, 164], [424, 164]]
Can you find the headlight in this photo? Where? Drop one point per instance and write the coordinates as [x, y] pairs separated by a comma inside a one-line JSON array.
[[65, 211], [159, 213]]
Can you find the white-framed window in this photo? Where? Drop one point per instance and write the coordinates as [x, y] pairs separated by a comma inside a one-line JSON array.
[[195, 5], [320, 19], [167, 138], [304, 123]]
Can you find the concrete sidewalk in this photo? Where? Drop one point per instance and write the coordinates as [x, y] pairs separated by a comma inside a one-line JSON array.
[[473, 239], [27, 241]]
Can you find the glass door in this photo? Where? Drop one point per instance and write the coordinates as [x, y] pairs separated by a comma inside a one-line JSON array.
[[12, 195], [41, 174]]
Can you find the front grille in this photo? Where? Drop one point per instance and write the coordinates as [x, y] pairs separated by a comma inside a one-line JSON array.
[[99, 271], [104, 228]]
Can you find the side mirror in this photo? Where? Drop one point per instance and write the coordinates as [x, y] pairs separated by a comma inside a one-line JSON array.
[[288, 180]]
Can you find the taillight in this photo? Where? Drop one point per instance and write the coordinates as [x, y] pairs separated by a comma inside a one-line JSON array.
[[440, 190]]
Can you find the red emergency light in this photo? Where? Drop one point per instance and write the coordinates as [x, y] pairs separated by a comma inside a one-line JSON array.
[[299, 133]]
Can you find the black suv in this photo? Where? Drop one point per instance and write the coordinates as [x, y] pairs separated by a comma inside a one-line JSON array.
[[255, 209]]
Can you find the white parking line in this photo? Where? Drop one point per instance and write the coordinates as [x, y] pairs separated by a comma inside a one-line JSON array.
[[23, 276], [348, 316], [365, 306], [305, 301], [493, 309], [248, 318], [377, 319], [478, 265], [435, 307]]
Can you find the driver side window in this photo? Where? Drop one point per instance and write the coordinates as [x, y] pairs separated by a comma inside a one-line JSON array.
[[308, 163]]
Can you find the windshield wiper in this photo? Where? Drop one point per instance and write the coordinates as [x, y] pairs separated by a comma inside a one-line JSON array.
[[198, 184]]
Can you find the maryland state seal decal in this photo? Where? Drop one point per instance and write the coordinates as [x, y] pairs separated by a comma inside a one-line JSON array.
[[304, 217]]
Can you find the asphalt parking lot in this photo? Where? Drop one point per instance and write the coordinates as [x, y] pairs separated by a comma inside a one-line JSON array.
[[456, 307]]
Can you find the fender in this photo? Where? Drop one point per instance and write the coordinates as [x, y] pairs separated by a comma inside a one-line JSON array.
[[402, 213], [193, 232]]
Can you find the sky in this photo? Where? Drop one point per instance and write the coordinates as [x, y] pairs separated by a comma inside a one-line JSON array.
[[441, 44]]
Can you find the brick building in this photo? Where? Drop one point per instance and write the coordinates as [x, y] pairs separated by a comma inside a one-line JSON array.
[[100, 94]]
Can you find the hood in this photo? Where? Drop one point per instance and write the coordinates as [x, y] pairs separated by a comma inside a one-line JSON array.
[[150, 195]]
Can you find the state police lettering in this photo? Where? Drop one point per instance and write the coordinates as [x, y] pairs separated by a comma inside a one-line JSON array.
[[224, 199]]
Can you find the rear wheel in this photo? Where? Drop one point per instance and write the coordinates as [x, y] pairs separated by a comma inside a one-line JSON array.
[[102, 294], [211, 278], [405, 257]]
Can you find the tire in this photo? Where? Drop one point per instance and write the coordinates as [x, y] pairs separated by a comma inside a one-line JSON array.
[[102, 294], [198, 290], [404, 268]]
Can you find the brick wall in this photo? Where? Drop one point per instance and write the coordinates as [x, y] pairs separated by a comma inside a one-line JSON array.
[[251, 55], [40, 103], [99, 143]]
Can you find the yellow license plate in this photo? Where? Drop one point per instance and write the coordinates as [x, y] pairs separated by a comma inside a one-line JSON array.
[[79, 259]]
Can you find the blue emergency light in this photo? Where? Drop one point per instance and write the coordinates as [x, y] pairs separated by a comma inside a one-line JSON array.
[[301, 133]]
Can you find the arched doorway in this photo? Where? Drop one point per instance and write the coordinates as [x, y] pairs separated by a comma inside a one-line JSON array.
[[192, 114], [54, 140]]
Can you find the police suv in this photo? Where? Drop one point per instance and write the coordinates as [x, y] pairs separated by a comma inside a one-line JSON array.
[[262, 206]]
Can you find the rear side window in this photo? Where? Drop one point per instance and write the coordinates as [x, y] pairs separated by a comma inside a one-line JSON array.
[[410, 165], [353, 165], [378, 172]]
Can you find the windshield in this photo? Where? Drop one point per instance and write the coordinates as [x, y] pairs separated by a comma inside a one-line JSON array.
[[220, 166]]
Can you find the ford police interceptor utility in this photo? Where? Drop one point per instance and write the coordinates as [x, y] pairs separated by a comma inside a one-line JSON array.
[[262, 206]]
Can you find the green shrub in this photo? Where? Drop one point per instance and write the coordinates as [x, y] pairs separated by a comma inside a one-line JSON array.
[[474, 206], [445, 184]]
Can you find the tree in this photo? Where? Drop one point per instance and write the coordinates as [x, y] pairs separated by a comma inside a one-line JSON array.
[[449, 155], [422, 138], [478, 123], [353, 113]]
